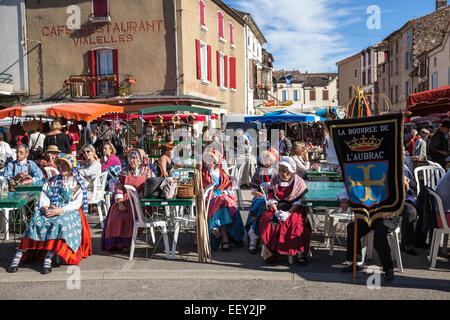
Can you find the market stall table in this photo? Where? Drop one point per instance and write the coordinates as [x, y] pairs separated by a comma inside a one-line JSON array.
[[323, 174], [168, 203], [325, 194], [13, 200], [34, 187], [322, 193]]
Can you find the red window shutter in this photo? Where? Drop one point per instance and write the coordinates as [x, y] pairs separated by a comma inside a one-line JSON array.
[[220, 19], [231, 33], [100, 8], [232, 72], [218, 68], [209, 64], [115, 56], [92, 72], [199, 60], [202, 13], [225, 67]]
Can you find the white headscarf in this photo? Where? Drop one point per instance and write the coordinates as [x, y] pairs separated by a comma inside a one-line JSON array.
[[289, 163]]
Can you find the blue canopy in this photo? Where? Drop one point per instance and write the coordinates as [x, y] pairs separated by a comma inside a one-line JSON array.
[[274, 117]]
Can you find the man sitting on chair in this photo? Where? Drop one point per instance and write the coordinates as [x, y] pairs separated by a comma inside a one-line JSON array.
[[22, 170]]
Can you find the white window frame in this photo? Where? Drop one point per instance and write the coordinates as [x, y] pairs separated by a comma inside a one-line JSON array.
[[434, 84], [222, 71], [204, 62]]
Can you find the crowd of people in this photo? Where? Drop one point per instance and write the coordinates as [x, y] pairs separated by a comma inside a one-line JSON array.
[[277, 219], [429, 145]]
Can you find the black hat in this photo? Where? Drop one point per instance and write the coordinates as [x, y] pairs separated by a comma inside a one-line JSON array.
[[446, 123]]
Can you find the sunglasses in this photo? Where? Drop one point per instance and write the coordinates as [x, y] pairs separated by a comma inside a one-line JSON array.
[[87, 151]]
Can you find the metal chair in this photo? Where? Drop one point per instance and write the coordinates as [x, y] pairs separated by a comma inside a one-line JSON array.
[[431, 176], [98, 195], [443, 230], [143, 222]]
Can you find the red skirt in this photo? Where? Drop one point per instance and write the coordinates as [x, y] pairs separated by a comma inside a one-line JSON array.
[[286, 237], [60, 247]]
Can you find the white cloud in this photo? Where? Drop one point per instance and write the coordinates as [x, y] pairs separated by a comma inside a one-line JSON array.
[[304, 34]]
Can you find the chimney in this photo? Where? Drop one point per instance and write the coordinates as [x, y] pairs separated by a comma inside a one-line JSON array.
[[440, 4]]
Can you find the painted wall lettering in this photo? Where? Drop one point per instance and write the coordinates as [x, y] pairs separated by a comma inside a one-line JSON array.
[[117, 32]]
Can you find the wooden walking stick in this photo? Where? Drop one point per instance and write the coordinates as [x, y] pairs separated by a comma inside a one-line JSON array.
[[355, 230]]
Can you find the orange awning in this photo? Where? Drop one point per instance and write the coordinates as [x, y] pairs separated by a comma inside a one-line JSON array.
[[71, 111]]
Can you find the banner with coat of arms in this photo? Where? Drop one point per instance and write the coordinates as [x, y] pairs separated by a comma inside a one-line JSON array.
[[370, 153]]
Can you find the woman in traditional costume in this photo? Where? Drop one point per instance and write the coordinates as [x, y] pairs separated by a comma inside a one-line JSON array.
[[284, 226], [263, 174], [118, 229], [58, 224], [224, 218]]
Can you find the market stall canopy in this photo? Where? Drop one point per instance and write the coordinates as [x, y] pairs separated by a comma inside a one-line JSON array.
[[297, 108], [428, 102], [281, 118], [71, 111], [152, 117], [6, 122]]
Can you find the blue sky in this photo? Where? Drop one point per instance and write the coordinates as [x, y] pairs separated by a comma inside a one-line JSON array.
[[312, 35]]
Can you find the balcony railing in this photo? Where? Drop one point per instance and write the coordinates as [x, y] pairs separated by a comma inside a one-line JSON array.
[[261, 92], [99, 86], [6, 78]]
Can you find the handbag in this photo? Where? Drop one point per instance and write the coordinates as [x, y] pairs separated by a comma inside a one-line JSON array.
[[152, 188], [169, 187]]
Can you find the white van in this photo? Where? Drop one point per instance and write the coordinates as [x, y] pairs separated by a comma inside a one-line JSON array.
[[236, 121]]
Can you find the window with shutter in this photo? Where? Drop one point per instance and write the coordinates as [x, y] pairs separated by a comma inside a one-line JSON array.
[[221, 26], [312, 95], [232, 63], [225, 69], [231, 33], [325, 95], [203, 59], [202, 12], [100, 8], [219, 67]]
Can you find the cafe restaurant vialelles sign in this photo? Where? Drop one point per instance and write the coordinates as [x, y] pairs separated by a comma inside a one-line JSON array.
[[370, 153], [116, 32]]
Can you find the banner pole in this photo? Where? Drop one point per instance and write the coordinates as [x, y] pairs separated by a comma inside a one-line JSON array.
[[355, 230]]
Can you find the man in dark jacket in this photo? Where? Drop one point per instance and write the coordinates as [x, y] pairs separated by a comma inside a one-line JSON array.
[[439, 144], [284, 145]]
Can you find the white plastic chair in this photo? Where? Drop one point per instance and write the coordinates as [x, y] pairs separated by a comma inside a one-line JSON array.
[[431, 176], [239, 169], [141, 222], [438, 232], [367, 247], [434, 164], [51, 172], [98, 195]]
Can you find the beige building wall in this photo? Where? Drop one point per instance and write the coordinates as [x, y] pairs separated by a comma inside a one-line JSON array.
[[399, 74], [383, 86], [189, 30], [349, 75], [439, 63], [304, 95], [142, 33]]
